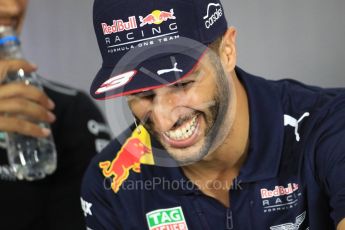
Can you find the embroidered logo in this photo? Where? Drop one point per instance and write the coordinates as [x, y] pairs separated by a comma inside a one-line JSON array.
[[279, 191], [209, 18], [291, 226], [157, 17], [96, 127], [288, 120], [171, 218], [175, 69], [136, 150], [125, 34], [280, 198], [116, 82], [86, 206], [119, 26]]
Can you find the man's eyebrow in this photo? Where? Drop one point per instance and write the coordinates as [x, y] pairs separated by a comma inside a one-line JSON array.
[[191, 76], [146, 93]]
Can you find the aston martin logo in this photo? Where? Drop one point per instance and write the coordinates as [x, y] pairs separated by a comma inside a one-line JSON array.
[[291, 226]]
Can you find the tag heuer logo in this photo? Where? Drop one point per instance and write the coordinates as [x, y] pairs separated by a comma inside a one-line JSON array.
[[163, 219]]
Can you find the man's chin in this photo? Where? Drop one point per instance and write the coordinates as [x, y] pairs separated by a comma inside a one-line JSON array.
[[188, 155]]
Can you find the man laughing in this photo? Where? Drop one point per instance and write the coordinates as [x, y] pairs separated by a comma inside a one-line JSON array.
[[227, 150]]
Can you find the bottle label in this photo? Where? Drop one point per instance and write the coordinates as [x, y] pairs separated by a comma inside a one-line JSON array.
[[8, 39], [3, 136]]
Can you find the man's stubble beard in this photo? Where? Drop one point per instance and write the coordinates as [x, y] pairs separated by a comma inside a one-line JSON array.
[[216, 132]]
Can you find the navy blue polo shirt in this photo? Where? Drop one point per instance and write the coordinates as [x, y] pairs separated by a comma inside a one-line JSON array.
[[293, 177]]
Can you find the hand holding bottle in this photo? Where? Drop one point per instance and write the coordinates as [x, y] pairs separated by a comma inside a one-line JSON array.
[[32, 157], [27, 101]]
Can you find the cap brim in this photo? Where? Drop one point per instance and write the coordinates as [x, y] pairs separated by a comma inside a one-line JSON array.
[[146, 71]]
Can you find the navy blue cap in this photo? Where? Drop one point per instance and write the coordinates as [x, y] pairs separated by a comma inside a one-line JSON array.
[[146, 44]]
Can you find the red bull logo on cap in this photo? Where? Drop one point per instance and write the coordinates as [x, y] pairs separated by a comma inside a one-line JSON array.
[[120, 26], [130, 33], [135, 151], [157, 17]]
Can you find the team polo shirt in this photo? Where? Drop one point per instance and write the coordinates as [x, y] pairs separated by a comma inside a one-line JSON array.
[[293, 176]]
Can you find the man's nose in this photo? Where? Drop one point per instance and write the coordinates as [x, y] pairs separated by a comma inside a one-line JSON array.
[[164, 112]]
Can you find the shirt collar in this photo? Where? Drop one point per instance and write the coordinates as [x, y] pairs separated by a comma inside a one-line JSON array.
[[266, 129]]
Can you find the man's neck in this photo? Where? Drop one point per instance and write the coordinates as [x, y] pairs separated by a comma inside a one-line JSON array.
[[225, 162]]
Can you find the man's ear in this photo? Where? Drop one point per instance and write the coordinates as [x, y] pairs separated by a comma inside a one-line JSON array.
[[227, 50]]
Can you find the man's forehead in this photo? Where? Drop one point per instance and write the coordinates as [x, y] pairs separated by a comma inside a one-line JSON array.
[[191, 76], [199, 68]]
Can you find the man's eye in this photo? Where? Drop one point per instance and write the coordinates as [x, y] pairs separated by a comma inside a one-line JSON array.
[[183, 84], [145, 94]]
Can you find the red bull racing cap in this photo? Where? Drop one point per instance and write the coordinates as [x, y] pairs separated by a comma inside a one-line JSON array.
[[147, 44]]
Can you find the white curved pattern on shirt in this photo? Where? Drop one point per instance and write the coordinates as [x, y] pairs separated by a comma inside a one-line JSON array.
[[96, 128], [86, 206], [208, 9], [291, 226], [288, 120], [7, 173]]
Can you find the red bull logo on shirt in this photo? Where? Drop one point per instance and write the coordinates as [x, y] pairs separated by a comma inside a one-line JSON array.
[[281, 197], [136, 151], [279, 191]]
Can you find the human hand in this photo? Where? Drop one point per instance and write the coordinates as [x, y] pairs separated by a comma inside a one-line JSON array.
[[21, 104]]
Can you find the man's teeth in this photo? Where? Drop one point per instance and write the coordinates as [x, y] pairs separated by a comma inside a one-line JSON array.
[[184, 132]]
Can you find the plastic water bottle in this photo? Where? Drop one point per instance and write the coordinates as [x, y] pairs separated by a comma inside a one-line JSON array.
[[30, 158]]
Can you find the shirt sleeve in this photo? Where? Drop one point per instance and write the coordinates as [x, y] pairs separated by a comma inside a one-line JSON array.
[[330, 160], [98, 212]]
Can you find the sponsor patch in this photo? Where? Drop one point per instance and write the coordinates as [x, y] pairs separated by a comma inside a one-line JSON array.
[[291, 225], [86, 206], [280, 197], [135, 151], [116, 82], [214, 13], [166, 219], [157, 17], [140, 31]]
